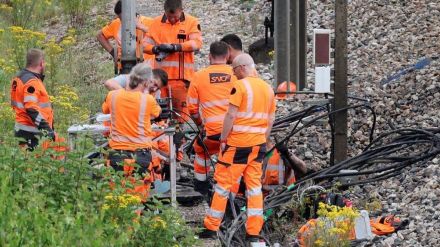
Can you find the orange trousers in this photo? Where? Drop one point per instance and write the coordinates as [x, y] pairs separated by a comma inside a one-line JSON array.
[[233, 163], [202, 160], [179, 91]]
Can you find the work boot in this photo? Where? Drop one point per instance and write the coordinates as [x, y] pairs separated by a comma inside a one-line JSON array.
[[208, 234], [255, 241]]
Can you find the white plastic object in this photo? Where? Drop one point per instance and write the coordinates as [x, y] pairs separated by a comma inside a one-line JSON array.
[[87, 128], [322, 79], [101, 117], [258, 244], [362, 226]]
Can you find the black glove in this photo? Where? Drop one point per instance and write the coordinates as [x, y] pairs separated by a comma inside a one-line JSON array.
[[169, 48], [282, 149], [156, 49]]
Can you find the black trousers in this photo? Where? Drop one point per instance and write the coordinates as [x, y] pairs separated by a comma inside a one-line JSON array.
[[29, 139], [142, 157]]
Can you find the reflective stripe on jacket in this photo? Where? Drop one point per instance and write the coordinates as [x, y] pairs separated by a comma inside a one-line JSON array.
[[178, 65], [31, 103], [208, 94], [256, 106], [131, 114]]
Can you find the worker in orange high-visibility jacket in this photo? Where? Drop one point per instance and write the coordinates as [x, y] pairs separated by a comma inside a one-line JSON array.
[[208, 101], [282, 168], [173, 38], [113, 31], [246, 128], [31, 103], [131, 111]]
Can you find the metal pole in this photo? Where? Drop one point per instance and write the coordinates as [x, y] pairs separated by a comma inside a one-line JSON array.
[[173, 166], [294, 42], [128, 35], [340, 80], [282, 41], [302, 33]]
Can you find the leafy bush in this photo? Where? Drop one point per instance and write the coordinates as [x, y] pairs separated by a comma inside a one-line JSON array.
[[49, 202], [28, 14]]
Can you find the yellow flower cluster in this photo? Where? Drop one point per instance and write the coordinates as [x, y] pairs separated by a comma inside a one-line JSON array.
[[8, 66], [22, 35], [66, 98], [335, 213], [6, 112], [5, 7], [334, 227], [159, 222], [53, 48], [67, 106], [122, 201]]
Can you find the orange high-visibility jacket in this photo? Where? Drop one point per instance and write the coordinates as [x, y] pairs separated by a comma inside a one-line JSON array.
[[179, 65], [131, 114], [256, 105], [31, 103], [275, 173], [113, 31], [208, 94]]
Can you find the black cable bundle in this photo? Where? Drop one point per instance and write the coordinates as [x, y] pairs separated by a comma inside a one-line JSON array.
[[385, 157]]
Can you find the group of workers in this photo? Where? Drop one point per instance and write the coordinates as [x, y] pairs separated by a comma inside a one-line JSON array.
[[233, 108]]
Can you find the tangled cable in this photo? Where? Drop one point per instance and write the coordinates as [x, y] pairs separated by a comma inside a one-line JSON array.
[[385, 157]]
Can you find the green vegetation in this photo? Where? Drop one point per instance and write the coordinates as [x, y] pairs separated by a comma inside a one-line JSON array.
[[48, 202]]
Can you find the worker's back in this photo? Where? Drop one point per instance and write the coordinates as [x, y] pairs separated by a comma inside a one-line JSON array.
[[256, 104], [28, 91], [209, 91], [130, 118]]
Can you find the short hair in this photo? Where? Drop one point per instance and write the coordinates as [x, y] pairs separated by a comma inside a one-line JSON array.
[[172, 5], [233, 40], [162, 75], [218, 49], [139, 74], [118, 7], [34, 57]]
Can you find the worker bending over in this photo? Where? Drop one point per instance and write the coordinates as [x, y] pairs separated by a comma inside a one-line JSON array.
[[246, 129], [131, 111], [31, 103], [158, 87], [113, 31], [172, 38], [282, 168], [208, 94]]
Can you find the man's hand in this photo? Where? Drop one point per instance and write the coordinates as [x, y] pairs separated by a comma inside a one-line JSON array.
[[282, 149], [222, 145]]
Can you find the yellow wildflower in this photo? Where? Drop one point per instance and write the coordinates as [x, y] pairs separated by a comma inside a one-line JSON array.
[[159, 222]]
